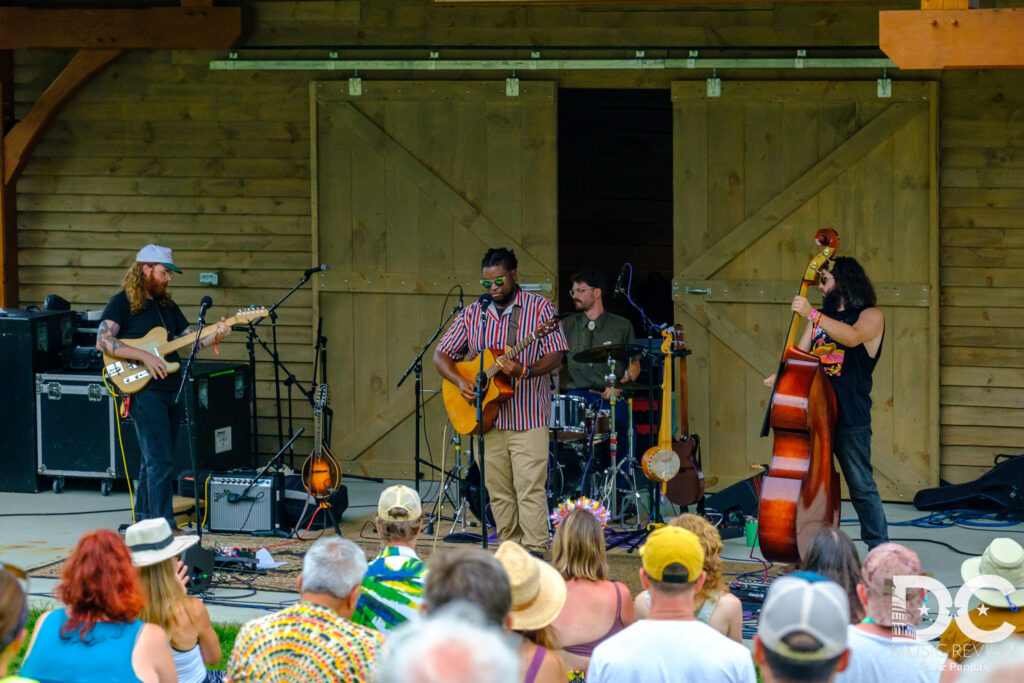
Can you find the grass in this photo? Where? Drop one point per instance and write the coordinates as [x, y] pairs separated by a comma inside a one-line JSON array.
[[225, 632]]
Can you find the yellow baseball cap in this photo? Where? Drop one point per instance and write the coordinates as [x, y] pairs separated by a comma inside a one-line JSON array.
[[671, 545]]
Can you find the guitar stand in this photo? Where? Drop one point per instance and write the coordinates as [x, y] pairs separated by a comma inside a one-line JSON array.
[[274, 462], [326, 507]]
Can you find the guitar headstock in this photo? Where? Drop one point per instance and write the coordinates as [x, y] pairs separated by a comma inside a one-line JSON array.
[[547, 327], [678, 338], [247, 315]]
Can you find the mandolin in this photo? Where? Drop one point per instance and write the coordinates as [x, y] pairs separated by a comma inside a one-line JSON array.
[[660, 463], [499, 387], [800, 495], [131, 375], [687, 487], [321, 472]]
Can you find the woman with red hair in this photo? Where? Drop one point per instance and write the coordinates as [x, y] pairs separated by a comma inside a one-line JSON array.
[[97, 636]]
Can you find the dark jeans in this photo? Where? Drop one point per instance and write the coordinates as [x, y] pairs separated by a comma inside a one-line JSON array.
[[157, 419], [852, 446]]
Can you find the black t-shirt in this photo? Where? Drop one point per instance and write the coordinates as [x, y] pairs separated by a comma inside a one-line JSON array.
[[849, 369], [134, 326]]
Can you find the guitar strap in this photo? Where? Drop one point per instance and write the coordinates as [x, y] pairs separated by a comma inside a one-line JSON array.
[[513, 327]]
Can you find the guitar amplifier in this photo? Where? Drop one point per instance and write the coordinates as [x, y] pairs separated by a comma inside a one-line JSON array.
[[232, 512]]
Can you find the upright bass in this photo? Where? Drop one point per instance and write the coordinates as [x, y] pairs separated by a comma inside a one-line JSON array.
[[800, 495]]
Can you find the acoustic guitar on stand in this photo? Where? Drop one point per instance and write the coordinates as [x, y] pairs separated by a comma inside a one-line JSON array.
[[131, 375], [499, 388]]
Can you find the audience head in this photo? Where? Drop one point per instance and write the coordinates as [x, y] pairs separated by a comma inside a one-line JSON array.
[[99, 583], [456, 644], [154, 550], [997, 663], [832, 554], [13, 613], [577, 550], [334, 567], [711, 544], [538, 591], [399, 515], [673, 561], [801, 633], [875, 589], [468, 574], [1003, 558]]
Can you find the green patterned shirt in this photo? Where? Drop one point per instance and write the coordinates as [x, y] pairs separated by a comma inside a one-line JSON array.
[[392, 589]]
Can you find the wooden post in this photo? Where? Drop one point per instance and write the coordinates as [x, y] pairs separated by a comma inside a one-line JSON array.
[[8, 210]]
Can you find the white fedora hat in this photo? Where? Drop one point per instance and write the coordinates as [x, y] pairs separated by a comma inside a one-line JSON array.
[[1004, 558], [150, 541]]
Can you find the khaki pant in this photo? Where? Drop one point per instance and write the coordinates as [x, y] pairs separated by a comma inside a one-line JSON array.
[[516, 475]]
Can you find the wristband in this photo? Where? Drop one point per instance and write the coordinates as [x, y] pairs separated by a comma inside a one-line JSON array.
[[526, 372], [813, 315]]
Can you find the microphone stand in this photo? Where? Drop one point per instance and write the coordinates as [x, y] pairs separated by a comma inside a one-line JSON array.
[[278, 489], [417, 367], [481, 383], [186, 376]]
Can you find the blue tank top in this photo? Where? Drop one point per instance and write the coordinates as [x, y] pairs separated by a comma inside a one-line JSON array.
[[105, 657]]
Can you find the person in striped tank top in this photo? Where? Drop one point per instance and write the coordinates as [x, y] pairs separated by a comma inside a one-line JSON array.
[[516, 448]]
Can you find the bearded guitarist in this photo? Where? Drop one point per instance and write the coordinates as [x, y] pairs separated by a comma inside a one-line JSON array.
[[516, 448], [141, 305]]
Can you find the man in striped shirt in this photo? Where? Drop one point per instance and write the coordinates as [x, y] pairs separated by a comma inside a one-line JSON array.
[[516, 448]]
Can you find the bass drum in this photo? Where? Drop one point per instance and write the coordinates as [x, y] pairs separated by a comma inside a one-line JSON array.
[[470, 489]]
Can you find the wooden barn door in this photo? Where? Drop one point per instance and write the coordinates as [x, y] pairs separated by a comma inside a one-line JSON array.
[[413, 182], [757, 171]]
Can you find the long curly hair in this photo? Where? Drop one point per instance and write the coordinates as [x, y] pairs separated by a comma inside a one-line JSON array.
[[99, 584], [832, 554], [711, 543], [134, 285], [853, 284]]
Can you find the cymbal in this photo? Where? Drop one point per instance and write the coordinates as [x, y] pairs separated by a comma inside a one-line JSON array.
[[600, 354]]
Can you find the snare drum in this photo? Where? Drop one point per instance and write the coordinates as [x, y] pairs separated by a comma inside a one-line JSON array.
[[567, 421], [601, 417]]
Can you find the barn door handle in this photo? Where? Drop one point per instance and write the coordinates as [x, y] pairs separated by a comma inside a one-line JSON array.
[[694, 290]]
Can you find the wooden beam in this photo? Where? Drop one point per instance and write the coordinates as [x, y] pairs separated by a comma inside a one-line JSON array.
[[8, 213], [22, 138], [952, 39], [194, 26]]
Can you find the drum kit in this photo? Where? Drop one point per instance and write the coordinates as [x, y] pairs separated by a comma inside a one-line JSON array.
[[586, 454]]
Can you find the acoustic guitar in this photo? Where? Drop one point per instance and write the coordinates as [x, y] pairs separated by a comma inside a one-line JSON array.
[[687, 487], [660, 463], [321, 472], [498, 389], [131, 375]]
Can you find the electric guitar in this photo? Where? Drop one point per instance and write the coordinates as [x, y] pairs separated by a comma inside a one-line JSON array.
[[321, 473], [498, 389], [131, 375]]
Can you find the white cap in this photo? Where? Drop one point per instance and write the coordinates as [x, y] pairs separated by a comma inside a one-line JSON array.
[[401, 497], [152, 253], [805, 603]]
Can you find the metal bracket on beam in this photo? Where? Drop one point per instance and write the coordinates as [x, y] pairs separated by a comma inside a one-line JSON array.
[[355, 85], [885, 87], [714, 86], [433, 59], [800, 54], [512, 86], [534, 59], [691, 60]]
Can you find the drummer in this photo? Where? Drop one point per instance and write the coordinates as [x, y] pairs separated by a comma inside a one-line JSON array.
[[592, 326]]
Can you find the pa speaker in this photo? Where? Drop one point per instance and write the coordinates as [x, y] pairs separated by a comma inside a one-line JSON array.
[[199, 563]]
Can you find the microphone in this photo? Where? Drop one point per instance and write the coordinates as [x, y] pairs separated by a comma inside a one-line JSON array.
[[310, 271], [204, 304], [461, 304], [484, 301], [238, 498], [621, 281]]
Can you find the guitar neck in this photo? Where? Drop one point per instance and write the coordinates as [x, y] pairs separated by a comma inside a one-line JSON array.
[[684, 407], [665, 430], [190, 339], [512, 353]]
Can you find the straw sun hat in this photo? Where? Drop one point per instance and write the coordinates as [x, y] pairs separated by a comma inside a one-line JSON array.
[[538, 590], [150, 541]]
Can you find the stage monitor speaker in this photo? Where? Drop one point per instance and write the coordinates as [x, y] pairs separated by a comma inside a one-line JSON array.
[[200, 569], [735, 503], [233, 512]]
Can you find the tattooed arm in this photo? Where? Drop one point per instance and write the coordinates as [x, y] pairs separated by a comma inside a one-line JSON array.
[[108, 343]]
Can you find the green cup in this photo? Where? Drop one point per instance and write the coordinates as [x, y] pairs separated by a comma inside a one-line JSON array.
[[750, 530]]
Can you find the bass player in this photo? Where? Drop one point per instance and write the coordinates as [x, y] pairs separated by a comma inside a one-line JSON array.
[[516, 449], [143, 304]]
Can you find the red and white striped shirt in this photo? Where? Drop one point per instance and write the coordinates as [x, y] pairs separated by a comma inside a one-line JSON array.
[[530, 405]]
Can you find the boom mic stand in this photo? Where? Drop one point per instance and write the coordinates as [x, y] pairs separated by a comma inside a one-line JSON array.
[[186, 376], [481, 383], [417, 368]]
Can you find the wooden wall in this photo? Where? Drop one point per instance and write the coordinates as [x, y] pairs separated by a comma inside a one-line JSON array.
[[216, 164], [982, 258]]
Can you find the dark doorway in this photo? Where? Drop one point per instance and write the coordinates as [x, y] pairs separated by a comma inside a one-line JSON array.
[[615, 195]]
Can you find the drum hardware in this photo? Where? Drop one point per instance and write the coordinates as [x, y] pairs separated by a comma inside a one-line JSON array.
[[567, 417]]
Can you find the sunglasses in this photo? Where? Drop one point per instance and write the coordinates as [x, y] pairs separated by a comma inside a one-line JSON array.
[[497, 282]]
